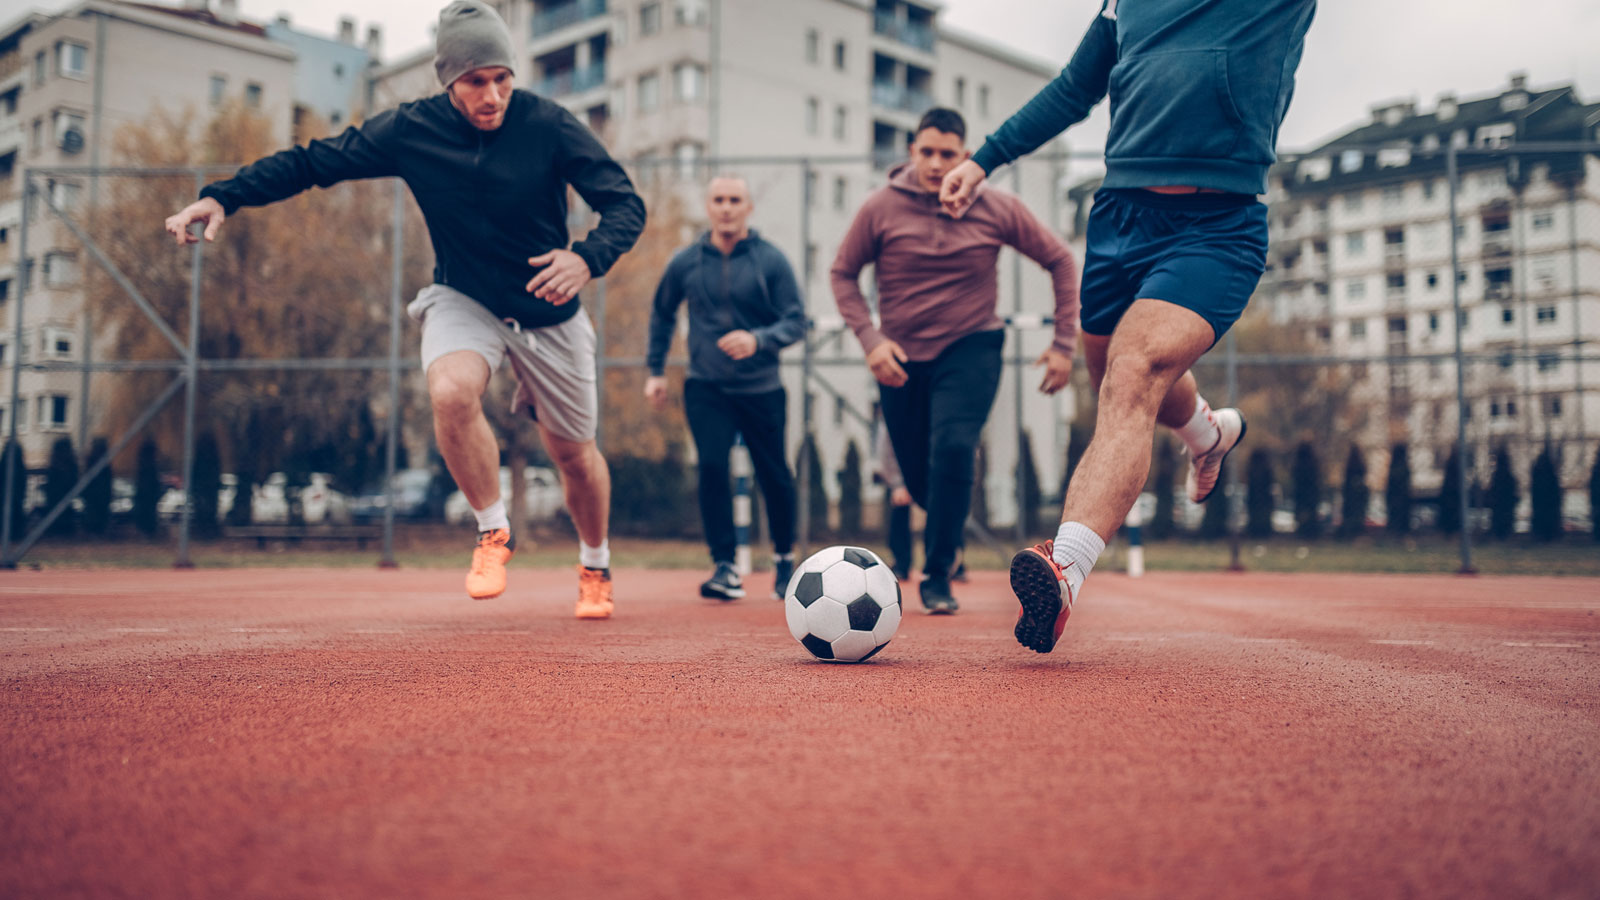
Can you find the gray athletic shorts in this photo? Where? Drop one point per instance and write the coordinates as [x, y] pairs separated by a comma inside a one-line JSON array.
[[554, 366]]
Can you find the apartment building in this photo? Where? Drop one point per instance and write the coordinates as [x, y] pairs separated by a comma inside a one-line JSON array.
[[68, 83], [841, 83], [1360, 258]]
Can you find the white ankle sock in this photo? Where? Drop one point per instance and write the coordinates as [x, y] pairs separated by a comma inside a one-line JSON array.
[[594, 557], [493, 516], [1076, 543], [1201, 432]]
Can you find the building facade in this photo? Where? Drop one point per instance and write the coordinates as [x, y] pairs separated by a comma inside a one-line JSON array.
[[1360, 259]]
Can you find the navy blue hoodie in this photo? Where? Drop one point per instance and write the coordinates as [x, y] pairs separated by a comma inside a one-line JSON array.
[[1198, 89], [492, 199], [752, 288]]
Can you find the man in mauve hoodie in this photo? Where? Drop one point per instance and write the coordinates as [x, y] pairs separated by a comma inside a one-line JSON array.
[[936, 347]]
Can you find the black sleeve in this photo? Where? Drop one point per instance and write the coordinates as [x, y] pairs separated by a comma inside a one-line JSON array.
[[360, 152], [605, 187], [786, 302], [664, 315]]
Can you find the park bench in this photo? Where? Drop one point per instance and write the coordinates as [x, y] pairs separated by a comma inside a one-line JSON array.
[[296, 533]]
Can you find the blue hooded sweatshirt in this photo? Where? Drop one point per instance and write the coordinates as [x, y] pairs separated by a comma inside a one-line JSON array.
[[1198, 89], [753, 289]]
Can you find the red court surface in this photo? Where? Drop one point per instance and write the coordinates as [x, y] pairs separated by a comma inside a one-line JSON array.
[[283, 733]]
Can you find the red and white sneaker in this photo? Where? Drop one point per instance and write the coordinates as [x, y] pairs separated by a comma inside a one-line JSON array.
[[1041, 586], [1205, 468]]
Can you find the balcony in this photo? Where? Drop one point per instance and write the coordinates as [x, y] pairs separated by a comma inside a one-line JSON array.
[[565, 82], [1394, 256], [899, 97], [565, 15], [911, 33], [1497, 243]]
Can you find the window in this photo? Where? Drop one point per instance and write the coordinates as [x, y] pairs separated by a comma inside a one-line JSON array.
[[649, 19], [813, 115], [252, 95], [1433, 323], [1433, 281], [840, 187], [961, 93], [1508, 315], [1494, 409], [840, 55], [649, 92], [1427, 186], [841, 119], [813, 46], [983, 99], [52, 411], [1548, 361], [1358, 328], [40, 67], [1350, 161], [691, 12], [1355, 289], [36, 143], [60, 268], [1355, 243], [55, 343], [219, 86], [1352, 202], [1552, 406], [1511, 408], [72, 59], [688, 81], [5, 289], [1544, 221], [1545, 314], [688, 154], [64, 194], [1397, 325]]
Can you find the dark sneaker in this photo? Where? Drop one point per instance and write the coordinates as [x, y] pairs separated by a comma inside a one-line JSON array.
[[724, 584], [936, 599], [783, 570], [1041, 586]]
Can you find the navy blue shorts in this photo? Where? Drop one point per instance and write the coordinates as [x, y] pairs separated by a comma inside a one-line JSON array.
[[1203, 252]]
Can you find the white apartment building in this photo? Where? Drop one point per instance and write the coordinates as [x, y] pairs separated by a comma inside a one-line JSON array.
[[68, 83], [839, 82], [1360, 257]]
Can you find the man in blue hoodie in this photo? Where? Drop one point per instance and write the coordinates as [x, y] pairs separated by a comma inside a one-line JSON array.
[[1176, 244], [744, 307]]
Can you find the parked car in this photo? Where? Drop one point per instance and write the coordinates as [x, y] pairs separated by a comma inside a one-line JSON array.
[[410, 497], [318, 501], [545, 498]]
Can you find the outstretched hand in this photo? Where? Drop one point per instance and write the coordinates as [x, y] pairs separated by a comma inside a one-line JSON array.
[[565, 273], [206, 211], [959, 187]]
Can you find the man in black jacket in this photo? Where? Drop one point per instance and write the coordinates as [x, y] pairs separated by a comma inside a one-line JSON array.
[[489, 166], [744, 307]]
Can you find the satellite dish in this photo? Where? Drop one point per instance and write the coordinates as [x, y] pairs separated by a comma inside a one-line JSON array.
[[71, 141]]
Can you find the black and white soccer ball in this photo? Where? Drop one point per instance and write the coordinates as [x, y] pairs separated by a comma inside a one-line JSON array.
[[843, 604]]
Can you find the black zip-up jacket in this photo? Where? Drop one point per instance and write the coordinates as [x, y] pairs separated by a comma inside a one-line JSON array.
[[492, 199], [752, 288]]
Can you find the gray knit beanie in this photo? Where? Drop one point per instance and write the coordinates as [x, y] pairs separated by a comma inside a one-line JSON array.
[[471, 35]]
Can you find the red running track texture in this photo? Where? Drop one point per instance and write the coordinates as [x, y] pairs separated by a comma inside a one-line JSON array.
[[279, 734]]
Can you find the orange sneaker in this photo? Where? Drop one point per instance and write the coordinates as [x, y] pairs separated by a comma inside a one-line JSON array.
[[594, 593], [1041, 586], [487, 577]]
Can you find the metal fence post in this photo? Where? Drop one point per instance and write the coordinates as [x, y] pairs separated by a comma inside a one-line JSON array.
[[24, 277], [191, 369], [1230, 494], [1453, 178], [807, 445], [397, 254]]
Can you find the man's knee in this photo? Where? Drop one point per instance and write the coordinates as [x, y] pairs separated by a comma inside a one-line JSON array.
[[952, 458], [455, 390], [1132, 379], [574, 457]]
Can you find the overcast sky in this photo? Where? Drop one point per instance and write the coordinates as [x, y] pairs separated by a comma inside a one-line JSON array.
[[1358, 53]]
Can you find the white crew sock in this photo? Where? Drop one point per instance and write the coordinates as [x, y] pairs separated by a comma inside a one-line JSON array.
[[1201, 433], [493, 516], [1076, 544], [594, 557]]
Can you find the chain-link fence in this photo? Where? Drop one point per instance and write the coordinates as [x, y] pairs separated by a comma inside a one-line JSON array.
[[302, 400]]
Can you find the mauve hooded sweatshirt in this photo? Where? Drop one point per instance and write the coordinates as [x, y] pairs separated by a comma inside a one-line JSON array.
[[937, 280]]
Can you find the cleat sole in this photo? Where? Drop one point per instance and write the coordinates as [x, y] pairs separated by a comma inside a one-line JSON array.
[[1035, 585]]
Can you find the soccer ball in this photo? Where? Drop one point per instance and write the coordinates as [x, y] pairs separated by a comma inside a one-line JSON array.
[[843, 604]]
